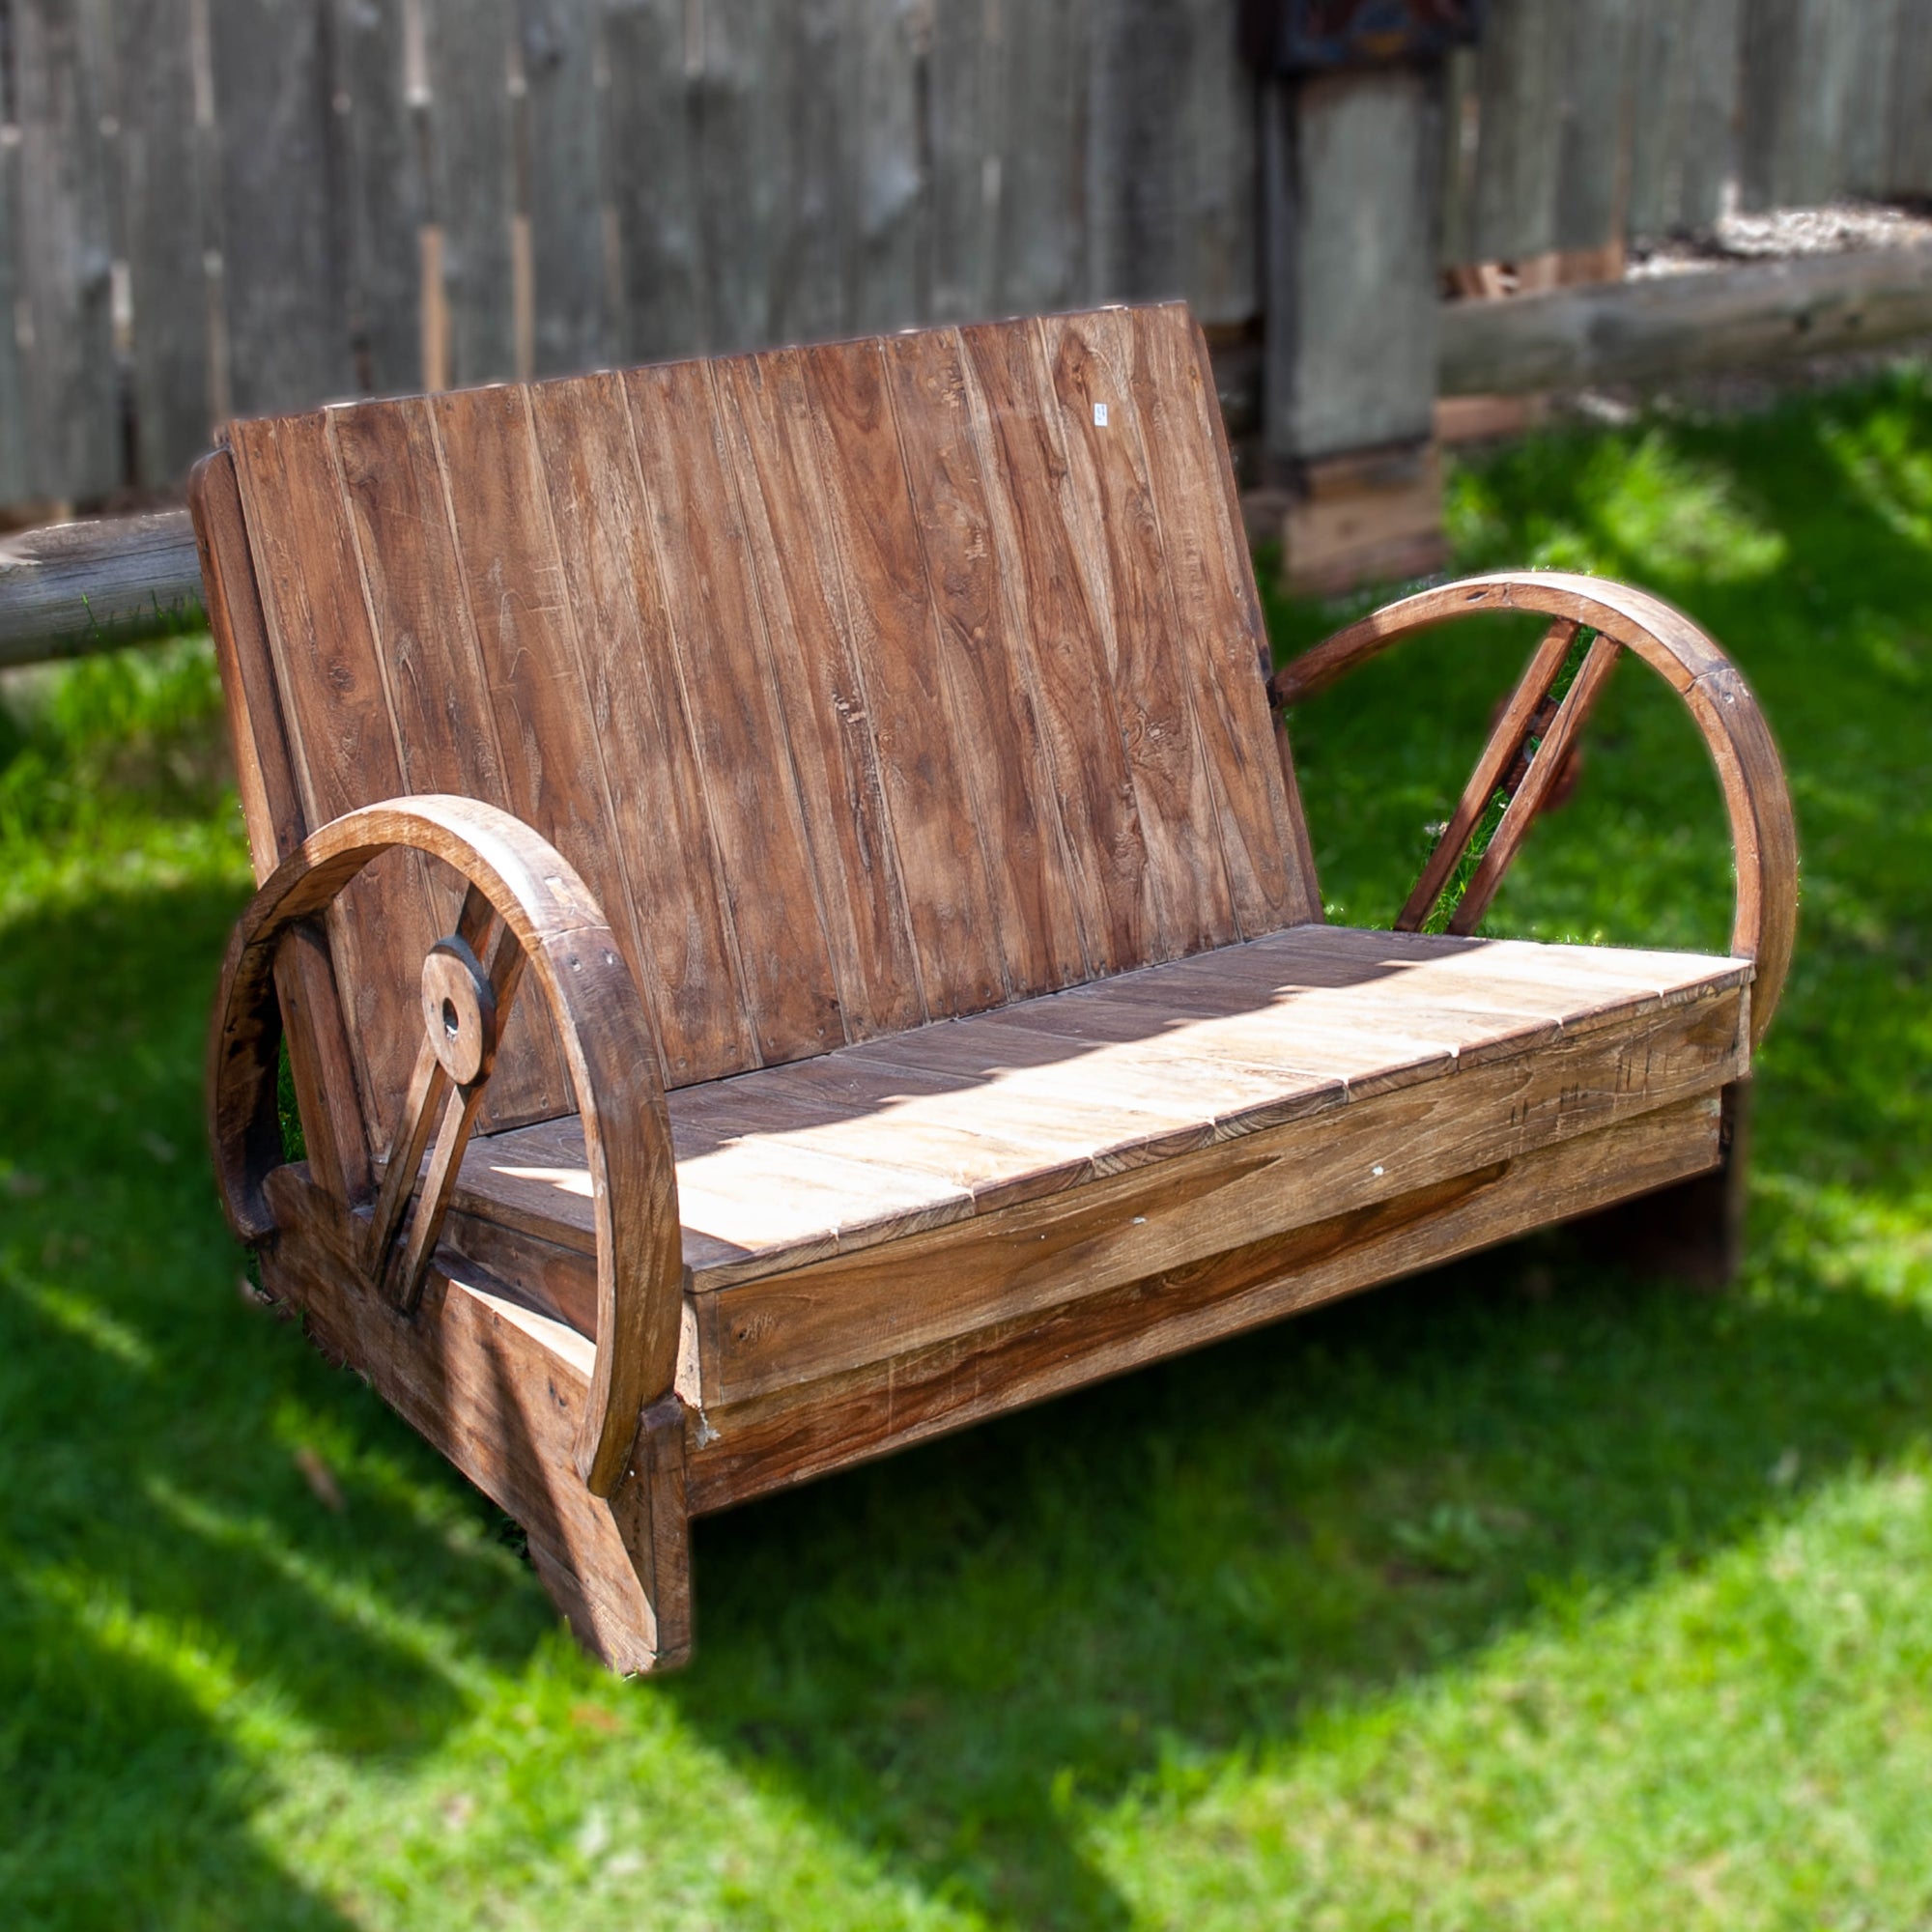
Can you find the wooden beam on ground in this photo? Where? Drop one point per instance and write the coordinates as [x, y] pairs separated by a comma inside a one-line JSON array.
[[78, 587], [1638, 331]]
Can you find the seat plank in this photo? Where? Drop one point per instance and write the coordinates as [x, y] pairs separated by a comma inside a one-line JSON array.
[[1296, 1035]]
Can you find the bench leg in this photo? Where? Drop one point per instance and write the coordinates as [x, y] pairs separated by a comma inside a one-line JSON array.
[[1692, 1230], [621, 1569]]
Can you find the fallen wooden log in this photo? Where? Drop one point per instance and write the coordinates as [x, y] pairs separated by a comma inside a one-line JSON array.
[[1641, 331], [91, 586]]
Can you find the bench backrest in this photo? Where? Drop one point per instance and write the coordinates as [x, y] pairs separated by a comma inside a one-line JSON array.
[[865, 684]]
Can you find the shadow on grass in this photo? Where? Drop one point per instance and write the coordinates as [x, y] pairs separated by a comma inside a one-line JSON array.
[[169, 1582]]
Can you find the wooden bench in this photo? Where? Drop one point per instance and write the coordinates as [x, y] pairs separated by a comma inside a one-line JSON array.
[[794, 930]]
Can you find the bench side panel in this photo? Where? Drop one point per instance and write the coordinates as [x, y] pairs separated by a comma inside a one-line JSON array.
[[866, 684]]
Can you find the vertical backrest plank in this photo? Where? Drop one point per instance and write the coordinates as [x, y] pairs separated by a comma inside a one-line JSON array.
[[989, 668], [438, 694], [164, 241], [890, 610], [1225, 657], [769, 425], [342, 734], [520, 609], [637, 710], [1107, 505], [737, 724], [1021, 463]]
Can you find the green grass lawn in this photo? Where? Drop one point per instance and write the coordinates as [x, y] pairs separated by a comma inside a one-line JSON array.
[[1527, 1593]]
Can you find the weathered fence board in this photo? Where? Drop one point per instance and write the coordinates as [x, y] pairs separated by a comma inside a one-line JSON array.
[[564, 198], [286, 316], [71, 405], [315, 198], [163, 239], [381, 161]]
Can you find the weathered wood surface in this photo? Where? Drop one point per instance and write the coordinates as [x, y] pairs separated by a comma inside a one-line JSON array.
[[547, 912], [691, 596], [806, 1430], [1292, 1037], [1651, 330], [503, 1390], [1757, 800], [71, 588]]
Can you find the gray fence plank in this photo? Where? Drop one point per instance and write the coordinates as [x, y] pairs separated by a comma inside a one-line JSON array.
[[741, 151], [284, 296], [813, 291], [890, 264], [1136, 147], [1594, 80], [382, 180], [72, 405], [164, 237], [1042, 258], [472, 182], [650, 178], [1712, 44], [1518, 154], [1800, 62], [15, 481], [564, 195], [1218, 256], [1909, 158], [1353, 311], [965, 90]]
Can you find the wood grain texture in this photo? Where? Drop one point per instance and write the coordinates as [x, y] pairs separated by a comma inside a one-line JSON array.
[[807, 1429], [950, 1122], [724, 660], [501, 1389], [1764, 834], [851, 677], [637, 712], [770, 427], [563, 197], [572, 959]]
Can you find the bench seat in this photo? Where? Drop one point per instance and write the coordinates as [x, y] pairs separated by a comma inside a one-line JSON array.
[[1477, 1050]]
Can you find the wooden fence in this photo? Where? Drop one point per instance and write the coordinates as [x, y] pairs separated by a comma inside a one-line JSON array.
[[220, 206]]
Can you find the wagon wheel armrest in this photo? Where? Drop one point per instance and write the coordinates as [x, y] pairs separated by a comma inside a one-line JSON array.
[[543, 920], [1536, 731]]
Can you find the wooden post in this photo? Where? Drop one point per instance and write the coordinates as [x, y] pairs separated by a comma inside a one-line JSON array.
[[1351, 163]]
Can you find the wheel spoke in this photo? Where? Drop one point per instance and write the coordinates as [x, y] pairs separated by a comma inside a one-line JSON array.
[[1492, 767], [1544, 765]]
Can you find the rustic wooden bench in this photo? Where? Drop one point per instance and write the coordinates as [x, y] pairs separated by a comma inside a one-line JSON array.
[[860, 759]]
